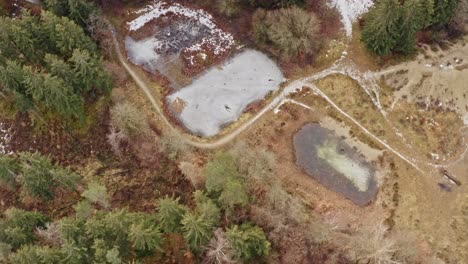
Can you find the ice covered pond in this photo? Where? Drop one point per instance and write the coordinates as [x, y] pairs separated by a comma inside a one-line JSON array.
[[219, 96], [332, 162]]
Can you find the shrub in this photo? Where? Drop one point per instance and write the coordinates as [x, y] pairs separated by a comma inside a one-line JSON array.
[[292, 31], [275, 3], [96, 193], [173, 146], [218, 170], [229, 8], [129, 120], [248, 241], [234, 194]]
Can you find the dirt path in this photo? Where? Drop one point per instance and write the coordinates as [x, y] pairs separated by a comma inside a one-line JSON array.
[[273, 105]]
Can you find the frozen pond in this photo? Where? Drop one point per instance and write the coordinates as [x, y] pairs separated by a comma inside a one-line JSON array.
[[332, 162], [219, 96]]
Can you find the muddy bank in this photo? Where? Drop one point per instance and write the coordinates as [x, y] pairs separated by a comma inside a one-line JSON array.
[[331, 161]]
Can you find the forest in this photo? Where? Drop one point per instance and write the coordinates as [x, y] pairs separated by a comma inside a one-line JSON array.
[[90, 176]]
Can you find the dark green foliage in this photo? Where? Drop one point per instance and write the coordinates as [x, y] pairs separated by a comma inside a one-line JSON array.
[[197, 231], [40, 177], [77, 10], [392, 25], [443, 11], [223, 181], [381, 31], [111, 227], [17, 226], [274, 3], [37, 255], [145, 235], [50, 64], [248, 241], [170, 214], [9, 169], [207, 208], [218, 170], [413, 19], [234, 194]]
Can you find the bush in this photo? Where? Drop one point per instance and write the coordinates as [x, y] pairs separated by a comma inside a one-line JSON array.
[[129, 120], [96, 193], [229, 8], [248, 241], [221, 168], [274, 3], [292, 31]]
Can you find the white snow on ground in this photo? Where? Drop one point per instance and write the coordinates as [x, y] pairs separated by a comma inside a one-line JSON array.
[[350, 11], [143, 52], [220, 96], [218, 39], [4, 139]]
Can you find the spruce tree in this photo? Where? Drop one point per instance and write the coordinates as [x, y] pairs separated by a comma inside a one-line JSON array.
[[145, 235], [170, 214], [381, 31], [17, 226], [248, 241], [9, 169], [197, 231], [40, 177]]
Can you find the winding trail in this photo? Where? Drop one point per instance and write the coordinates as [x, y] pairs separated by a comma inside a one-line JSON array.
[[274, 105]]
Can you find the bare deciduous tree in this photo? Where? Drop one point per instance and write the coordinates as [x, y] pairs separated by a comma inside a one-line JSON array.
[[219, 250]]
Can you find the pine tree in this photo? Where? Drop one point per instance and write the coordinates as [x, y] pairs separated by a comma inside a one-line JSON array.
[[197, 231], [207, 208], [88, 72], [17, 226], [381, 31], [145, 235], [40, 177], [73, 230], [444, 11], [9, 169], [248, 241], [65, 35], [413, 18], [112, 227], [170, 214]]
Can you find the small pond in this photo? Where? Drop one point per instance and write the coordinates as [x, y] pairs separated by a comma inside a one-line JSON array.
[[219, 96], [331, 161]]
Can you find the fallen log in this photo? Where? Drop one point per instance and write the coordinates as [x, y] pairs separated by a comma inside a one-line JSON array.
[[450, 177]]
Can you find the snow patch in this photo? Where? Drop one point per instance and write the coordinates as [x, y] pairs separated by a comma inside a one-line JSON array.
[[4, 139], [220, 96], [350, 11]]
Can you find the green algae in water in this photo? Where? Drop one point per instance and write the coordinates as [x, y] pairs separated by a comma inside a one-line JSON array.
[[357, 174], [328, 159]]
